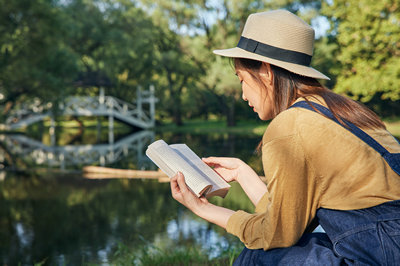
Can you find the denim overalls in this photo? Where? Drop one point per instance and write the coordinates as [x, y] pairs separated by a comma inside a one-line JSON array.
[[368, 236], [358, 237]]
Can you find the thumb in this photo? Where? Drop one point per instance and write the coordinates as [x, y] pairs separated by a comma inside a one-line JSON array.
[[181, 182]]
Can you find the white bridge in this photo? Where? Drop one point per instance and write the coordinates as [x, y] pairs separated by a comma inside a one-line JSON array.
[[139, 114], [75, 156]]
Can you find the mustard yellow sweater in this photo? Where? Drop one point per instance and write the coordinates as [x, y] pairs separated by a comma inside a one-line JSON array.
[[311, 162]]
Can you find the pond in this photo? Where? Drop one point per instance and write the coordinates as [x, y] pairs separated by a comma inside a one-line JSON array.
[[51, 214]]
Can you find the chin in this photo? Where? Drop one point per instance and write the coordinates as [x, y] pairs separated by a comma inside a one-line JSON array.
[[262, 118], [265, 117]]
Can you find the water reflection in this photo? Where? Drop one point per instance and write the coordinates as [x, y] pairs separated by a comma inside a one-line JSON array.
[[37, 153], [70, 220], [49, 217], [65, 219], [188, 229]]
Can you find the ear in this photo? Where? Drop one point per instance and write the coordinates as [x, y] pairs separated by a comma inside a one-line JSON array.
[[266, 73]]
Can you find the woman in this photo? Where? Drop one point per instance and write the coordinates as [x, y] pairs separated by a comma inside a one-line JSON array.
[[318, 170]]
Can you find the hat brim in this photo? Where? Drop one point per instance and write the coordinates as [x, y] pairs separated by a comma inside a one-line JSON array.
[[237, 52]]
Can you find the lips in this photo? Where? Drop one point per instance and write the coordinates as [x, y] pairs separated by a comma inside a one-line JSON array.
[[251, 106]]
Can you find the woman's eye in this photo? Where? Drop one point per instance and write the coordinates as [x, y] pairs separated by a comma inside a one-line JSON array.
[[240, 80]]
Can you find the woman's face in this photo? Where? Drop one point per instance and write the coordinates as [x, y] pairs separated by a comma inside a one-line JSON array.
[[259, 97]]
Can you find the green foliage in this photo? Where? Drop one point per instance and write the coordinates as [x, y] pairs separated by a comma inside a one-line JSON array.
[[325, 59], [216, 88], [115, 42], [34, 58], [52, 48], [367, 34]]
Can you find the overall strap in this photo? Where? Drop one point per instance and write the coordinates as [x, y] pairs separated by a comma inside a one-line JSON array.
[[393, 159]]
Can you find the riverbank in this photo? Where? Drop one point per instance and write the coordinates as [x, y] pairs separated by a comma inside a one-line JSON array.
[[198, 126], [255, 127], [152, 255]]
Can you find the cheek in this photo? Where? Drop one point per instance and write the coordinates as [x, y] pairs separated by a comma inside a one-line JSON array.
[[246, 91], [267, 107]]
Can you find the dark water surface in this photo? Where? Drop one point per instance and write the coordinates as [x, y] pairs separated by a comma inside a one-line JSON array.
[[50, 213]]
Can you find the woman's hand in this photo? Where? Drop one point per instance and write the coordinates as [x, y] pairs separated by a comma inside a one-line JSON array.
[[185, 196], [233, 169], [199, 206], [228, 168]]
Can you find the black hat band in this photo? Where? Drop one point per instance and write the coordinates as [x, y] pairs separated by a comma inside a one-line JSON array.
[[274, 52]]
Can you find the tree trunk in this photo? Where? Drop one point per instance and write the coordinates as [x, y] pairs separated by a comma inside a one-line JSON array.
[[176, 98], [230, 112], [177, 118]]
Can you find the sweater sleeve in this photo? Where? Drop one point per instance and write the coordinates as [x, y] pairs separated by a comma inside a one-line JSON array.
[[285, 211]]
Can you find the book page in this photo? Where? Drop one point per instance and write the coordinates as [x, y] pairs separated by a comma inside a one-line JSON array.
[[208, 173], [154, 156], [171, 162]]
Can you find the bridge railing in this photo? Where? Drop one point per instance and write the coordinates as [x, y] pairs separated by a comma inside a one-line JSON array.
[[132, 113], [36, 153], [27, 110], [128, 109]]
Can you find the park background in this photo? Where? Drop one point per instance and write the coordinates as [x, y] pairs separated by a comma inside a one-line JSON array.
[[54, 49]]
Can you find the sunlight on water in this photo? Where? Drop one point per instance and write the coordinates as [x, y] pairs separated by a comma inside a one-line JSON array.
[[49, 212], [188, 228]]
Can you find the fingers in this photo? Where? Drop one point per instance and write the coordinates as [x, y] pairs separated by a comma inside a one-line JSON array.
[[226, 162], [203, 199], [213, 161], [174, 185], [184, 195], [178, 186], [181, 182]]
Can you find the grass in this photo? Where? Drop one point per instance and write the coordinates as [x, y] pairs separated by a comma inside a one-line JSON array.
[[67, 122], [199, 126], [243, 127], [152, 255], [215, 126]]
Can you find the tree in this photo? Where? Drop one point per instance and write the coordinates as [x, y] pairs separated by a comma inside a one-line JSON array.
[[367, 34], [230, 17], [51, 49], [34, 60], [115, 42], [175, 71]]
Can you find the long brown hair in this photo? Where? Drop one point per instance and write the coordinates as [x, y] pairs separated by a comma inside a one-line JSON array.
[[289, 86]]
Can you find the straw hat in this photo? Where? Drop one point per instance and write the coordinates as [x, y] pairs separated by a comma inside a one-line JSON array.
[[279, 38]]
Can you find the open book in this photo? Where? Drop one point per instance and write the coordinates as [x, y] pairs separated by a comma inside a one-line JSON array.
[[199, 177]]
